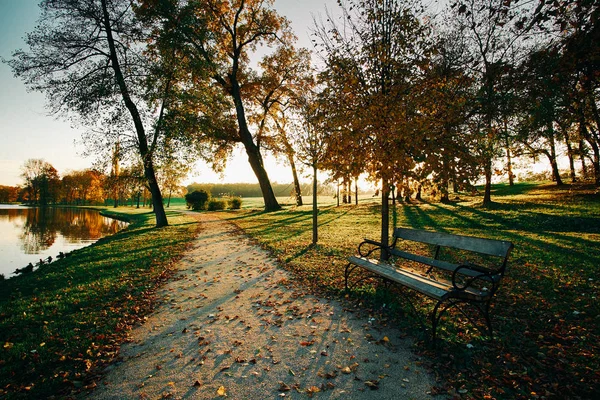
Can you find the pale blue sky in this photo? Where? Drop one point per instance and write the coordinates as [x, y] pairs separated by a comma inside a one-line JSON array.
[[28, 131]]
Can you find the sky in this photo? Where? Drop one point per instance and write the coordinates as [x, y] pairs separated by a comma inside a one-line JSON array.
[[27, 130]]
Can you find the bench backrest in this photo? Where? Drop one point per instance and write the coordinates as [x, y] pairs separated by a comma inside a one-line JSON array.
[[498, 248], [488, 247]]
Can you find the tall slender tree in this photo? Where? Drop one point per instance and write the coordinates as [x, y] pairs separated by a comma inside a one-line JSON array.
[[372, 58], [86, 56], [311, 145], [215, 40], [494, 31]]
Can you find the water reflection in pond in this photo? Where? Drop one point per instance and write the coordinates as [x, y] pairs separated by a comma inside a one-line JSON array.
[[30, 234]]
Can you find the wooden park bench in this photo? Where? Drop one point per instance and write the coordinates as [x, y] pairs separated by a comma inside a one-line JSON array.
[[453, 270]]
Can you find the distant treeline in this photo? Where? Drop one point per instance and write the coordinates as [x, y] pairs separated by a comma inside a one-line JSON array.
[[253, 189]]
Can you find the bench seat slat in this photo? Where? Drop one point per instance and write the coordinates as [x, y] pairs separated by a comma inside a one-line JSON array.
[[436, 263], [438, 290]]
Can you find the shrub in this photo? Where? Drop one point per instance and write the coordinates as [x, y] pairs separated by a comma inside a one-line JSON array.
[[197, 199], [214, 205], [235, 203]]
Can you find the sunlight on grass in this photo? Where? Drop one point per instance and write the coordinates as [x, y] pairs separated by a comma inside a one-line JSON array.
[[549, 295], [61, 322]]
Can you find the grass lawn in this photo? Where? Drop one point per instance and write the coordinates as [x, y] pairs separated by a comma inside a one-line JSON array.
[[62, 322], [546, 313]]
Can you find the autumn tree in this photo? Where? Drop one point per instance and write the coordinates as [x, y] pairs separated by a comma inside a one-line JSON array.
[[287, 76], [372, 58], [9, 194], [545, 102], [87, 57], [448, 156], [494, 31], [310, 139], [42, 181], [171, 173], [575, 26], [214, 41], [81, 187]]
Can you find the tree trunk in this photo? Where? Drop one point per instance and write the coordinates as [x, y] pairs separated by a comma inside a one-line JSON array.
[[444, 191], [169, 199], [338, 193], [297, 188], [593, 140], [160, 215], [418, 196], [595, 161], [509, 166], [252, 150], [315, 210], [571, 155], [584, 172], [407, 190], [356, 191], [552, 156], [487, 194], [385, 216]]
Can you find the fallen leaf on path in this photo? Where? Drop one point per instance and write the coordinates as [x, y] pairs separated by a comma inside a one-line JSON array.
[[328, 375], [372, 384], [222, 392], [312, 390], [197, 384], [283, 387]]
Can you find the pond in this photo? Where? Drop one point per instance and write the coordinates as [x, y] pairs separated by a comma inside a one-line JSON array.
[[28, 234]]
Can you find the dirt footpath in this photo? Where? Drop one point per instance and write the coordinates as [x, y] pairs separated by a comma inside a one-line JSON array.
[[231, 324]]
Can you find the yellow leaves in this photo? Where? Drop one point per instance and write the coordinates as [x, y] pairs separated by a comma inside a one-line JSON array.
[[349, 369], [8, 345], [312, 390], [372, 384], [222, 392]]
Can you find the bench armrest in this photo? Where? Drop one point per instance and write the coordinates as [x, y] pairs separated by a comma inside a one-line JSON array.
[[483, 275], [368, 246]]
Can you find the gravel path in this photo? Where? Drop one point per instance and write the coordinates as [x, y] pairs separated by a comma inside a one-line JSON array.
[[232, 324]]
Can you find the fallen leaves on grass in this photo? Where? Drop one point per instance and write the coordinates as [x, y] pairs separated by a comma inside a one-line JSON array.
[[372, 384]]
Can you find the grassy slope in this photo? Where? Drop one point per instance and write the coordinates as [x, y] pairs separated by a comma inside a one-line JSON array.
[[546, 313], [59, 323]]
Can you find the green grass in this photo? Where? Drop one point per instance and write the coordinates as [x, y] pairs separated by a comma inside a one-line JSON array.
[[61, 323], [257, 203], [546, 313]]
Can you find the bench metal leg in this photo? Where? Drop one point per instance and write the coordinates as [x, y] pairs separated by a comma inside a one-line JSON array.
[[488, 321], [434, 321], [485, 310]]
